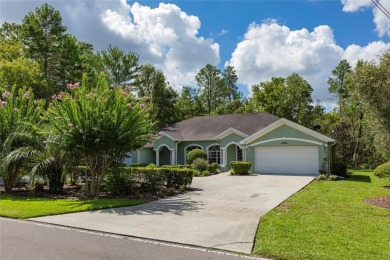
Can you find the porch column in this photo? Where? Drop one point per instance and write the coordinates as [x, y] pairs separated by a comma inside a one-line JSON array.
[[173, 157], [243, 154], [158, 157], [224, 156]]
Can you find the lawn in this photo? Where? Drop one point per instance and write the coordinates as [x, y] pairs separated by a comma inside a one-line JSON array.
[[329, 220], [23, 207]]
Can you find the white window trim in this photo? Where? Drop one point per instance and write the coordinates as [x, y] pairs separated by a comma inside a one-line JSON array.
[[221, 152], [185, 150]]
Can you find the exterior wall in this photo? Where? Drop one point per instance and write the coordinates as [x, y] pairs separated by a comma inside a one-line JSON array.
[[232, 138], [289, 132], [146, 155], [163, 140], [134, 156]]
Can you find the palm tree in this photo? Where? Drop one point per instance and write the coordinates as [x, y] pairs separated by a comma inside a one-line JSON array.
[[45, 159]]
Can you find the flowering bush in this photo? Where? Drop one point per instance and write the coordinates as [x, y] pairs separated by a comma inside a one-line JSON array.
[[100, 124]]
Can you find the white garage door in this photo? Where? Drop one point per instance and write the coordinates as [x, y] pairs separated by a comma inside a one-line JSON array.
[[287, 160]]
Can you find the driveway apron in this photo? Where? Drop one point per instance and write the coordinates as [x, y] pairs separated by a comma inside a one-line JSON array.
[[222, 212]]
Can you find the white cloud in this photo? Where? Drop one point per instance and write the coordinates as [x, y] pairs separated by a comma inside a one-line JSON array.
[[168, 37], [372, 51], [164, 36], [270, 50], [222, 32], [382, 22]]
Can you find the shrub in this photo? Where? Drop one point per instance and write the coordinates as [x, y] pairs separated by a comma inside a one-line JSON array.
[[339, 168], [334, 177], [200, 164], [322, 177], [177, 177], [195, 154], [383, 171], [138, 165], [205, 173], [151, 179], [174, 166], [119, 182], [152, 165], [240, 168], [213, 168]]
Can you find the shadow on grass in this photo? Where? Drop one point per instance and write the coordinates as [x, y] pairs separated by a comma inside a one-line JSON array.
[[359, 178]]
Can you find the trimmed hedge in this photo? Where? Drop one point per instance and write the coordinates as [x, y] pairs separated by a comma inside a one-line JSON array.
[[383, 171], [119, 182], [240, 168], [138, 165], [122, 180], [195, 154]]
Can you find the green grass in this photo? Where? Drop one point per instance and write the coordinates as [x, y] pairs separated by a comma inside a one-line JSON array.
[[23, 207], [329, 220]]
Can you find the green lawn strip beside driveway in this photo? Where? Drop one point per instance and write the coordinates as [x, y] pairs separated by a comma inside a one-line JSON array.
[[329, 220], [25, 207]]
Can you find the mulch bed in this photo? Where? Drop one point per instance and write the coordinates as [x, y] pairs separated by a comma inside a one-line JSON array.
[[383, 202], [75, 192]]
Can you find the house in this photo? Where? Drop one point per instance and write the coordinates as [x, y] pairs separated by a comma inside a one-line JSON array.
[[273, 145]]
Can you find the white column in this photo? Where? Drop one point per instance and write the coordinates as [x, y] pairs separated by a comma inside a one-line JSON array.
[[158, 157], [244, 154], [224, 157], [173, 157]]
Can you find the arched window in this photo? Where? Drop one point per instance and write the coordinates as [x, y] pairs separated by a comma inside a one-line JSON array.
[[214, 154], [190, 148]]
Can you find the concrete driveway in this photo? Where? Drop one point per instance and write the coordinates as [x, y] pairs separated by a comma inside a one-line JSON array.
[[222, 212]]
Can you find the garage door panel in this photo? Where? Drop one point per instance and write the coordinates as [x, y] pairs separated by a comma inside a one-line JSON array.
[[286, 160]]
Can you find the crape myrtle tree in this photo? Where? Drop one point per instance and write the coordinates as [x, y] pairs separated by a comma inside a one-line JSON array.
[[100, 124], [19, 112]]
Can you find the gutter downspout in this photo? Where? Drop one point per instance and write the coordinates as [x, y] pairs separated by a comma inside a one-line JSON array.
[[329, 161]]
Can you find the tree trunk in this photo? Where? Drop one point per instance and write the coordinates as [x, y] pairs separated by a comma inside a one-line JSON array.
[[357, 146], [9, 180]]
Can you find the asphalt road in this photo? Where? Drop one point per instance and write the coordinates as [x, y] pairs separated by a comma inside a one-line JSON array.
[[30, 240]]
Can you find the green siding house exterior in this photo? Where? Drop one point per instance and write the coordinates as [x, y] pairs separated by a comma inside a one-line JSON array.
[[273, 145]]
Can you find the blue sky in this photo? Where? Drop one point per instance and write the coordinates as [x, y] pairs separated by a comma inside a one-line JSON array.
[[261, 39], [235, 16]]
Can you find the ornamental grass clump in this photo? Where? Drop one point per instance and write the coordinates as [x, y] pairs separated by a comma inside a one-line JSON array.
[[100, 124]]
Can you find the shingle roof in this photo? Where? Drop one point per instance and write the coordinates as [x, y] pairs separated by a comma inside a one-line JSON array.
[[208, 127]]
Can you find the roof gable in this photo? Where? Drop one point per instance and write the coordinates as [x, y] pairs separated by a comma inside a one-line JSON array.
[[229, 131], [289, 123]]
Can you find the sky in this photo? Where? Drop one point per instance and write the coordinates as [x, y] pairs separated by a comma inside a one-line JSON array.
[[261, 39]]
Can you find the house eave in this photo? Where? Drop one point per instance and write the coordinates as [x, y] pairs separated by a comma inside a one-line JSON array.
[[289, 123]]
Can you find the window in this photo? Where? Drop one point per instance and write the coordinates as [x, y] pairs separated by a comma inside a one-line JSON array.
[[189, 149], [215, 154], [238, 154], [192, 147]]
